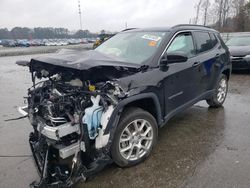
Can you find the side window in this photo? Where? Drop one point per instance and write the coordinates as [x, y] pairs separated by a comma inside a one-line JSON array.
[[203, 41], [214, 40], [182, 43]]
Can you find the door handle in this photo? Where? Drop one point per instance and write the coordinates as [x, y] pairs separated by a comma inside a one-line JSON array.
[[217, 56], [196, 64]]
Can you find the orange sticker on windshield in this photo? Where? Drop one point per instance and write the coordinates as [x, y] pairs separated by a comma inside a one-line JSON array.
[[152, 43]]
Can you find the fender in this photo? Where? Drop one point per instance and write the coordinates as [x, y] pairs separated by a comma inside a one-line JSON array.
[[114, 119], [217, 77]]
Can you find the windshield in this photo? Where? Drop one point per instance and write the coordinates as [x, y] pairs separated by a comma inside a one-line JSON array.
[[132, 47], [239, 41]]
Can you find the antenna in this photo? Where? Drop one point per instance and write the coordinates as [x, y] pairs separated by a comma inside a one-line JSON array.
[[80, 13]]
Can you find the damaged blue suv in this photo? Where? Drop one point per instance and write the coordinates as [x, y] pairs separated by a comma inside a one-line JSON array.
[[91, 108]]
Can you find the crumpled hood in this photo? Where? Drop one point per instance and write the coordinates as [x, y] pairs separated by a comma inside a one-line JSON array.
[[86, 65], [80, 60], [239, 50]]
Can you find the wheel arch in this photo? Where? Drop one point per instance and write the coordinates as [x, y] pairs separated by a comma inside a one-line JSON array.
[[144, 101], [227, 72]]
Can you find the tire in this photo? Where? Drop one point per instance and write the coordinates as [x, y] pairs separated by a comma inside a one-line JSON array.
[[140, 142], [220, 94]]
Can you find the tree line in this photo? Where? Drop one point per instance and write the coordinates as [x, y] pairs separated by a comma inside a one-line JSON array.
[[223, 15], [43, 33]]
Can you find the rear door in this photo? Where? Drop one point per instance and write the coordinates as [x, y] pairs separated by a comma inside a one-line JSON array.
[[207, 50]]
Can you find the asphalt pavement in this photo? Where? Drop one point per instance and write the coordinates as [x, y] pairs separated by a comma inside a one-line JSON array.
[[18, 51], [198, 148]]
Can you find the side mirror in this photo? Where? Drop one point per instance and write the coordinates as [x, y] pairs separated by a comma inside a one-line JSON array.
[[173, 58]]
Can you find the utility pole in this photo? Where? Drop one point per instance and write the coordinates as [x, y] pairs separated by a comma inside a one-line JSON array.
[[126, 25], [80, 13]]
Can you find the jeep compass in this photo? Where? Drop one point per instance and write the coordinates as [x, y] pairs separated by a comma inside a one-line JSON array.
[[91, 108]]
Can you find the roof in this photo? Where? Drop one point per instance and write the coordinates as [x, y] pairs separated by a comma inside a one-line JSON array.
[[192, 26], [176, 27]]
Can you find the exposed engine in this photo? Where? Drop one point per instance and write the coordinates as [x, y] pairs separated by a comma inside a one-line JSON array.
[[69, 118]]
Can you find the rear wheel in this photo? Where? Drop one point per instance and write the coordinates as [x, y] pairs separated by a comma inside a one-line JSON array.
[[135, 137], [220, 93]]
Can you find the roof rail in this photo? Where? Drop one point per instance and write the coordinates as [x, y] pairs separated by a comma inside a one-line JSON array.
[[128, 29], [192, 25]]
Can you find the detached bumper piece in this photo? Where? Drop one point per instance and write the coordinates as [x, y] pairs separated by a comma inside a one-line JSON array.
[[56, 172]]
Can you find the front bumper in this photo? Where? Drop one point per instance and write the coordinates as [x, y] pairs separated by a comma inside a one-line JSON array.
[[42, 155], [240, 63]]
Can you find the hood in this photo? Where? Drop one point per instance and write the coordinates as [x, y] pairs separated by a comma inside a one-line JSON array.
[[80, 60], [86, 65], [239, 51]]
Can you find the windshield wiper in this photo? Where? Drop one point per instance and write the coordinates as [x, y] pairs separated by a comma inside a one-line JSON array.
[[143, 68]]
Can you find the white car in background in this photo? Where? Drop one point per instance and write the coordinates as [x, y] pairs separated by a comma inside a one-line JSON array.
[[50, 43]]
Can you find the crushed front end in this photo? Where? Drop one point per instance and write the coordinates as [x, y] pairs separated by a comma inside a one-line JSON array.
[[69, 114]]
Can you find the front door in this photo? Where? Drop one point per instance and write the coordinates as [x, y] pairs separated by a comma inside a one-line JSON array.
[[182, 82]]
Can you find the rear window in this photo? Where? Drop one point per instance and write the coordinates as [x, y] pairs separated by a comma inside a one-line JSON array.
[[203, 41]]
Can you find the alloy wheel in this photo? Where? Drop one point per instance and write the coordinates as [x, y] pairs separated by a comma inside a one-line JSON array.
[[136, 140], [222, 90]]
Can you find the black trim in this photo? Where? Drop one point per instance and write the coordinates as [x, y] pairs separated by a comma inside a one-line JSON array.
[[227, 67], [116, 114]]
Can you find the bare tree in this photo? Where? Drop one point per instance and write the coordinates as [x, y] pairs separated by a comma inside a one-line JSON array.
[[222, 8], [227, 15], [205, 6], [225, 11], [237, 6], [247, 10], [220, 12], [198, 7]]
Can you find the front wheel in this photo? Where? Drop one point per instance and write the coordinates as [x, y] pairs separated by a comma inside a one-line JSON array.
[[135, 137], [220, 94]]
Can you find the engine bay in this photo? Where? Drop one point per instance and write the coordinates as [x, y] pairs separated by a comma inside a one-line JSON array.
[[69, 117]]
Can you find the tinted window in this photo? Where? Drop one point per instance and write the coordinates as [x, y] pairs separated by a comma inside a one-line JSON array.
[[183, 43], [203, 42], [214, 40]]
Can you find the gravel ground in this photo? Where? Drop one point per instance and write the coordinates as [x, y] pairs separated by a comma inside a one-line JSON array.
[[200, 147]]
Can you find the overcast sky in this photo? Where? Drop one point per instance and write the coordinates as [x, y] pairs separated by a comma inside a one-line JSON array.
[[96, 14]]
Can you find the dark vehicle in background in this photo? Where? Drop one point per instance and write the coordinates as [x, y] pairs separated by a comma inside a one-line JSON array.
[[91, 40], [23, 43], [239, 48], [91, 108]]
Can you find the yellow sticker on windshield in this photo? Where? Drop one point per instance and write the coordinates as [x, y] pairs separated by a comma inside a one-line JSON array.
[[152, 43]]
